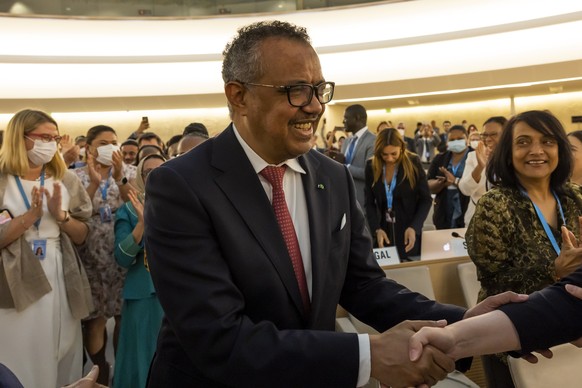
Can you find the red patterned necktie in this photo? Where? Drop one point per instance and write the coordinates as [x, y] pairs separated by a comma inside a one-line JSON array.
[[275, 177]]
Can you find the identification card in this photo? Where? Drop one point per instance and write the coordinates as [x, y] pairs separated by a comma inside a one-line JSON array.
[[390, 217], [39, 248], [105, 213]]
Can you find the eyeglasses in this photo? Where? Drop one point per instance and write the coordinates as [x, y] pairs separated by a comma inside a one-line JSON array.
[[484, 136], [300, 95], [44, 138]]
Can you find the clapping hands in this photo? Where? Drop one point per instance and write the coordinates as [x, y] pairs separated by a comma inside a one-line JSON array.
[[570, 257]]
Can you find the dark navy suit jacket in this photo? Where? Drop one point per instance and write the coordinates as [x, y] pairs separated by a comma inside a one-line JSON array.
[[549, 317], [234, 315]]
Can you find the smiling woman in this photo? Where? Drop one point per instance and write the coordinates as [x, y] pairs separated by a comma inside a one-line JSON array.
[[45, 292], [522, 231]]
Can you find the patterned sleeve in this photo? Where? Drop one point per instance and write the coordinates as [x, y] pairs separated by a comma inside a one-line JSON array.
[[489, 235]]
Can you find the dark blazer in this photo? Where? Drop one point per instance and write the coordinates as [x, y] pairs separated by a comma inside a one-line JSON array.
[[549, 317], [410, 144], [442, 147], [411, 206], [363, 151], [234, 314], [439, 215]]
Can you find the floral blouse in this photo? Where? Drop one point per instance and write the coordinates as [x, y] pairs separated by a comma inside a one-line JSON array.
[[508, 244]]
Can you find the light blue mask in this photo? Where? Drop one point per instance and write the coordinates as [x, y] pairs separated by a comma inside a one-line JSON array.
[[457, 146]]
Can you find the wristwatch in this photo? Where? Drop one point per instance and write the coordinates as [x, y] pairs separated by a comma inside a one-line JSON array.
[[121, 182], [457, 181]]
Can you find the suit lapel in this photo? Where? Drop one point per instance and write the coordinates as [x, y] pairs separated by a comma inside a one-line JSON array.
[[242, 187], [317, 195], [362, 145]]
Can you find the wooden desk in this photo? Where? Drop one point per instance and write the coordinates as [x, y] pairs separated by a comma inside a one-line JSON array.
[[444, 277]]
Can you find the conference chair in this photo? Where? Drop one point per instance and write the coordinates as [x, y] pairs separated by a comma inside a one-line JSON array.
[[469, 283], [562, 370]]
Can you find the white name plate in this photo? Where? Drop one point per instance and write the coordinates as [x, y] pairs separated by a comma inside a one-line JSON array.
[[386, 256], [457, 247]]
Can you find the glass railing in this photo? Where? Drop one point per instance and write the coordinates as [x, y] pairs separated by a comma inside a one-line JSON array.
[[166, 8]]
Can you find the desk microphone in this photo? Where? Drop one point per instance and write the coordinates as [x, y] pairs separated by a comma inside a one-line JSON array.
[[457, 235]]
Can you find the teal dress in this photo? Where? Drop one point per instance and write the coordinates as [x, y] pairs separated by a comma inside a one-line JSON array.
[[141, 312]]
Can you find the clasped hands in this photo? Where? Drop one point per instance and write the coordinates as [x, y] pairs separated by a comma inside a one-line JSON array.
[[396, 364]]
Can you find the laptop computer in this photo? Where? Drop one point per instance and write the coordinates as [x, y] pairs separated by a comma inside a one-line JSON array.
[[443, 244]]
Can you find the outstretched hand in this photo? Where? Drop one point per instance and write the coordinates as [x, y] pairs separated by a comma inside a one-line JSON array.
[[392, 366]]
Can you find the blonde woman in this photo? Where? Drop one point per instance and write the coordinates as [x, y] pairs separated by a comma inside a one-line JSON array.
[[44, 292], [397, 195]]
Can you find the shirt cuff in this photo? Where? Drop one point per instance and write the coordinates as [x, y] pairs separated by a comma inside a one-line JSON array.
[[129, 247], [365, 360]]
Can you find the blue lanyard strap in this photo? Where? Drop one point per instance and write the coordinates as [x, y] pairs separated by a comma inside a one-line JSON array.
[[545, 223], [455, 168], [390, 189], [103, 187], [23, 194]]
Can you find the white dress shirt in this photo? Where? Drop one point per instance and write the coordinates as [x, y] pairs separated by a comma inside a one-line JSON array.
[[295, 198]]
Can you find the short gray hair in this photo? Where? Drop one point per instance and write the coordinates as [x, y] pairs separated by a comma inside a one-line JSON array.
[[242, 57]]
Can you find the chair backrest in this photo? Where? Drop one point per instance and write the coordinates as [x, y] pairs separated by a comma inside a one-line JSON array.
[[469, 283], [562, 370], [414, 278]]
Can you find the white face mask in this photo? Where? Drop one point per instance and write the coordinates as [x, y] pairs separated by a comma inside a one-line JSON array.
[[105, 154], [42, 153], [82, 153], [457, 145], [474, 144], [401, 131]]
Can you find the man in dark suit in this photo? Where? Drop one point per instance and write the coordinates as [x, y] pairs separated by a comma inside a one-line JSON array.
[[442, 146], [359, 147], [250, 272], [410, 143]]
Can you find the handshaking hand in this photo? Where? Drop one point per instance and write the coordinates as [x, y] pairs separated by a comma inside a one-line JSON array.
[[392, 366], [485, 334]]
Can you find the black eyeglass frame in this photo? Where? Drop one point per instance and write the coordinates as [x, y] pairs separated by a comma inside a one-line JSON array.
[[313, 88], [484, 136]]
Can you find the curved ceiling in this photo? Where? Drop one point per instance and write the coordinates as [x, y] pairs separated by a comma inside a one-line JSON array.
[[385, 55]]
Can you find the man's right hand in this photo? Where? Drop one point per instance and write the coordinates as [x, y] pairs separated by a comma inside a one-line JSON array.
[[391, 364]]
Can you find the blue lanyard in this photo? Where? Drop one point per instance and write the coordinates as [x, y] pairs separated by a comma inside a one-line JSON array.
[[23, 194], [103, 187], [545, 223], [454, 169], [390, 190]]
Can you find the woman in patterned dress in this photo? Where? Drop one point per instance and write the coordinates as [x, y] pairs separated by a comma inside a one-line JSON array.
[[517, 233], [105, 179]]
